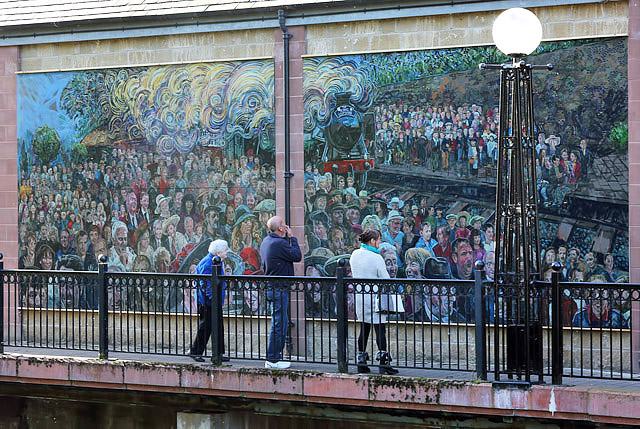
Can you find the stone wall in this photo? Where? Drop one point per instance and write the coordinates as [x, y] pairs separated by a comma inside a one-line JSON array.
[[148, 50], [559, 22]]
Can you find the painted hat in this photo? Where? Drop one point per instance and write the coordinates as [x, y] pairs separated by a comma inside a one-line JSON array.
[[242, 213], [335, 205], [352, 192], [319, 193], [452, 216], [393, 215], [463, 214], [436, 268], [395, 200], [159, 199], [173, 220], [266, 205], [373, 220], [475, 219], [320, 216], [364, 195], [332, 264]]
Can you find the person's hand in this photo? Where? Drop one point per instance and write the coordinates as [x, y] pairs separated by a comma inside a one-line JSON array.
[[287, 231]]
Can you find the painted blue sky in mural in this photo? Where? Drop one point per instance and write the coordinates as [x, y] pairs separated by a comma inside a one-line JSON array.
[[38, 104]]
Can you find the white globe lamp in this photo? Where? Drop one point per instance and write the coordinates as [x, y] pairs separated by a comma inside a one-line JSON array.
[[517, 32]]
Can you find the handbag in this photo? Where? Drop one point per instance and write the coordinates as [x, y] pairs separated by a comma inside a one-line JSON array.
[[388, 303]]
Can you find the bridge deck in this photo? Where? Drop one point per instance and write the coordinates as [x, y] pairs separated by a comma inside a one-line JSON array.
[[311, 386]]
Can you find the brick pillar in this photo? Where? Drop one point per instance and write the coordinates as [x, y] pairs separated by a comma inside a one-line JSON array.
[[8, 157], [297, 48], [634, 168]]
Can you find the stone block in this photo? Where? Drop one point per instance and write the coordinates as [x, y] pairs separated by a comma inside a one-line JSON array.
[[388, 26], [407, 25], [557, 30], [279, 383], [52, 371], [96, 372], [388, 42], [147, 376], [8, 367], [588, 11], [454, 37], [335, 386], [460, 20], [222, 379]]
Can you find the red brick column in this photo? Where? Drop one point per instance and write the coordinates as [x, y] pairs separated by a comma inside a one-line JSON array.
[[8, 157], [297, 48], [634, 167]]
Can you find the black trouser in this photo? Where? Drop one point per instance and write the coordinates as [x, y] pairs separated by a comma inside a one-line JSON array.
[[365, 330], [204, 331]]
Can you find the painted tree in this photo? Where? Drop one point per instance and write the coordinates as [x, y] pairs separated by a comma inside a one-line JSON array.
[[79, 153], [46, 144]]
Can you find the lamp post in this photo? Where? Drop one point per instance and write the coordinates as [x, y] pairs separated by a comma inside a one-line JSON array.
[[516, 32]]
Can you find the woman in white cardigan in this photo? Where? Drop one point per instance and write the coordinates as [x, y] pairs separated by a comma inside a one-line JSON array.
[[366, 263]]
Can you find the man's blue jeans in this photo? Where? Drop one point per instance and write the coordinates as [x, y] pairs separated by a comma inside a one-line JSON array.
[[279, 296]]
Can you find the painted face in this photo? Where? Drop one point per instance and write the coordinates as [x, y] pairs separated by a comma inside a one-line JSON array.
[[121, 240], [132, 202], [245, 227], [413, 270], [337, 240], [157, 230], [442, 237], [320, 230], [82, 244], [391, 263], [425, 233], [464, 260], [46, 260], [562, 254], [550, 256], [489, 264]]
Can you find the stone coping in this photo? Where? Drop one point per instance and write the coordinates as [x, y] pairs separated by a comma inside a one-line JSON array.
[[592, 404]]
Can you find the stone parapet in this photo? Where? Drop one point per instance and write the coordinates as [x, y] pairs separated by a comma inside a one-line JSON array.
[[555, 403]]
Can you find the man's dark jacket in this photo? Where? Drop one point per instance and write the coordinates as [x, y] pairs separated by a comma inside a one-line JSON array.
[[278, 255]]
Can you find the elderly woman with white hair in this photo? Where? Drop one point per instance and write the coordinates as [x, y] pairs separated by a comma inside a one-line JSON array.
[[120, 254], [205, 266]]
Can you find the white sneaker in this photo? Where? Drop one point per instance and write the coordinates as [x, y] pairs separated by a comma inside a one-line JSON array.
[[277, 365]]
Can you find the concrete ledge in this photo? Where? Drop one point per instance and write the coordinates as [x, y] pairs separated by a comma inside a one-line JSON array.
[[589, 404]]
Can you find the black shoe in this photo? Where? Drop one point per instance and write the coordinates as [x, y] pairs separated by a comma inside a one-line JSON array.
[[225, 358], [196, 358], [362, 363], [385, 363]]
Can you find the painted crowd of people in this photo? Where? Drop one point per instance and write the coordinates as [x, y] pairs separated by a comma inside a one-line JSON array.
[[146, 212], [463, 140]]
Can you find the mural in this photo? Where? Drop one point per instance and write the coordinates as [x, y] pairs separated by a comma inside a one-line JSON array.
[[406, 143], [146, 165]]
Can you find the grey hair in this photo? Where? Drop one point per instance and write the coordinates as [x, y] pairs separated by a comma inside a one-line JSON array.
[[118, 224], [218, 246]]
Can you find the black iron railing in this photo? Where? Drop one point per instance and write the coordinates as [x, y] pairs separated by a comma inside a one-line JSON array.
[[570, 329]]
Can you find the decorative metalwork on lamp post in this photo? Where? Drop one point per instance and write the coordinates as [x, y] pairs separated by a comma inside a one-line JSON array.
[[516, 32]]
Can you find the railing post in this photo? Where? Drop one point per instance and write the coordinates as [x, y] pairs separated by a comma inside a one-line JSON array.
[[556, 325], [341, 298], [216, 312], [481, 343], [2, 303], [103, 314]]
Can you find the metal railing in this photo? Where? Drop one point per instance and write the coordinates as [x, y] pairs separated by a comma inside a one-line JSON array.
[[560, 329]]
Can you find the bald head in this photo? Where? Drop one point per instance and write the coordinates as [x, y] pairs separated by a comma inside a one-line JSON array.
[[274, 223], [277, 225]]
